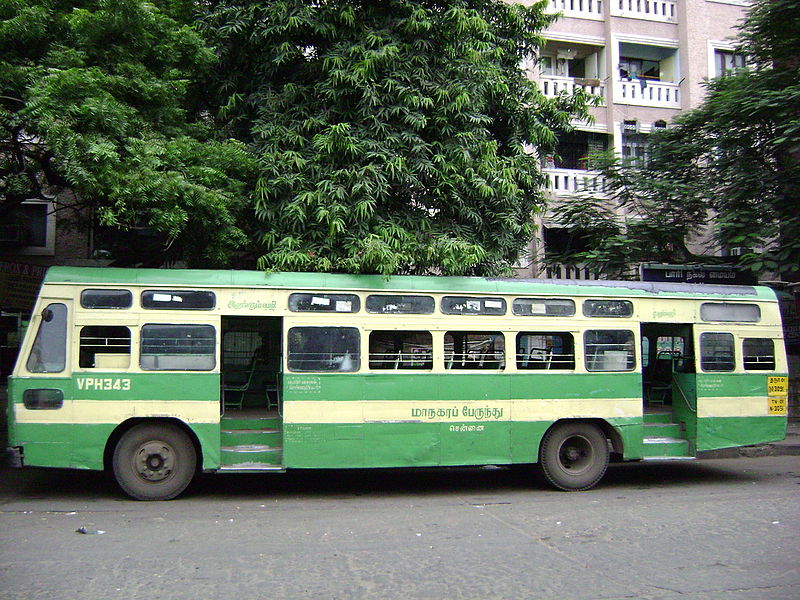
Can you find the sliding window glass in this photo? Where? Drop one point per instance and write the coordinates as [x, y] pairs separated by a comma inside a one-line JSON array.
[[400, 350]]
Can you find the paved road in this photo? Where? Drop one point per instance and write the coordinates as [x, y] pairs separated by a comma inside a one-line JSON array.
[[704, 529]]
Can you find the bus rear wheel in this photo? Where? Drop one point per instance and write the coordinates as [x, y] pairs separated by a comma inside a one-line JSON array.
[[154, 461], [574, 456]]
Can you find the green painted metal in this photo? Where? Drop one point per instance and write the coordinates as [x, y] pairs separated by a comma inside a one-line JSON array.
[[729, 432], [249, 279]]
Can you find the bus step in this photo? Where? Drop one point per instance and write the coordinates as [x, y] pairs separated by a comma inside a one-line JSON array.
[[666, 447], [244, 437], [251, 453], [663, 430], [250, 467]]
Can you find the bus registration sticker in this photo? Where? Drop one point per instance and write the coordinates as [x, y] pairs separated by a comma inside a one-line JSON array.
[[777, 392]]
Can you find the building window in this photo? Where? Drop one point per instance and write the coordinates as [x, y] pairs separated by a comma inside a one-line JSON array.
[[634, 147], [400, 350], [30, 230], [726, 62], [639, 68]]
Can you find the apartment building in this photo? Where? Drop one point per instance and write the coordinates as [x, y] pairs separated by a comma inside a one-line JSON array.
[[647, 60]]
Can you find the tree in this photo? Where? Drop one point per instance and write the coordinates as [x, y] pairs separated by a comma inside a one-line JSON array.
[[100, 112], [393, 137], [733, 162]]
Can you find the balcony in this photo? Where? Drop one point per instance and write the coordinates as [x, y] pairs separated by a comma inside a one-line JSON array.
[[553, 85], [664, 11], [569, 182], [643, 92], [577, 9]]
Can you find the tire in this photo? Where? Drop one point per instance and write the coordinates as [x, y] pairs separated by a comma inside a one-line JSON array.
[[574, 456], [154, 461]]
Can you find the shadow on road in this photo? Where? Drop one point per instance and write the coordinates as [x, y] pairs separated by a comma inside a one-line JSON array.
[[87, 485]]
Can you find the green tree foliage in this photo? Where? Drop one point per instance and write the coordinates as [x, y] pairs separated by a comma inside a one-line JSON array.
[[733, 162], [97, 112], [391, 136]]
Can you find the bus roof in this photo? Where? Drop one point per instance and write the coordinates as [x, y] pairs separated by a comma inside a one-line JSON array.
[[399, 283]]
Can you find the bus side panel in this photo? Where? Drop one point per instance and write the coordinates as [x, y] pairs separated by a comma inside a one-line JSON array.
[[43, 429], [75, 435], [381, 420], [736, 410]]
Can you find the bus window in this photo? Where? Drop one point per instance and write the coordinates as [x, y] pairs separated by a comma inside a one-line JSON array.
[[608, 308], [466, 305], [545, 350], [105, 346], [179, 300], [49, 352], [729, 312], [178, 347], [400, 350], [609, 350], [342, 303], [324, 349], [759, 354], [400, 304], [543, 307], [716, 352], [474, 350], [106, 299]]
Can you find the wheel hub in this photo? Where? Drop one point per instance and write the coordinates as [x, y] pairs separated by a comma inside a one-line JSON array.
[[154, 461], [576, 454]]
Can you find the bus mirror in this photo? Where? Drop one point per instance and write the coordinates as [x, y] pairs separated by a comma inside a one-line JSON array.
[[47, 315]]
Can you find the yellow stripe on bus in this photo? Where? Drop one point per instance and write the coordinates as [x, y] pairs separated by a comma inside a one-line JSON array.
[[732, 406], [420, 411], [115, 411]]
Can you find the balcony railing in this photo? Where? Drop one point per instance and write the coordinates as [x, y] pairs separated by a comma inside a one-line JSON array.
[[651, 10], [562, 271], [579, 9], [659, 94], [552, 85], [566, 182]]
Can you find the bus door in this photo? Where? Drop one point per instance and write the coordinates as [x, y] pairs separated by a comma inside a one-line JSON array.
[[668, 375], [41, 390]]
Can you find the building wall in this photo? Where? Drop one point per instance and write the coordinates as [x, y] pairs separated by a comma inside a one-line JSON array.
[[679, 35]]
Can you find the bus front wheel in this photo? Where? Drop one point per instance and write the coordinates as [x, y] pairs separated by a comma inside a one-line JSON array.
[[154, 461], [574, 456]]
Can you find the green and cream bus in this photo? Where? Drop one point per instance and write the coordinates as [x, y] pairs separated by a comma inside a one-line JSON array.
[[156, 375]]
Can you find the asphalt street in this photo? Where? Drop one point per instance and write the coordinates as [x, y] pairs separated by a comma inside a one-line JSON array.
[[723, 528]]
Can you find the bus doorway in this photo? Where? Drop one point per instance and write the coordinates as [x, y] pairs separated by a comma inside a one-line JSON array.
[[669, 390], [251, 427], [251, 364]]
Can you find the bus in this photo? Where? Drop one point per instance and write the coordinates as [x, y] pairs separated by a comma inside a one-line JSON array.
[[156, 375]]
